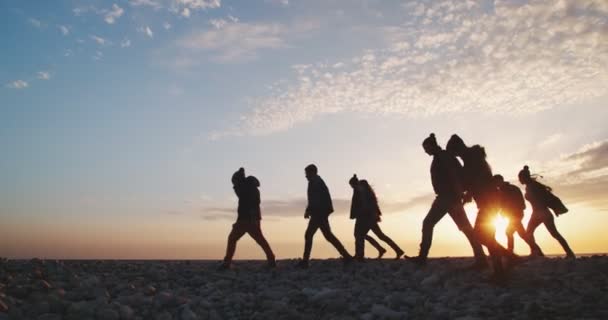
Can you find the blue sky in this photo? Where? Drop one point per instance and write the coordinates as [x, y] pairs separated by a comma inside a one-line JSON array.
[[125, 119]]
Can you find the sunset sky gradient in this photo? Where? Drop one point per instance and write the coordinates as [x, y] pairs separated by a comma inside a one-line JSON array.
[[123, 121]]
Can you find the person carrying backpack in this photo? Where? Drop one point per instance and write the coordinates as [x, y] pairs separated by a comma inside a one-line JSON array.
[[512, 205]]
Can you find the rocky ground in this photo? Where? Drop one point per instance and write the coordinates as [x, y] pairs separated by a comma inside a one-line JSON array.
[[538, 289]]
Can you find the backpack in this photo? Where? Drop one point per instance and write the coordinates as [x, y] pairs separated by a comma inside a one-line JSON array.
[[552, 201], [514, 198]]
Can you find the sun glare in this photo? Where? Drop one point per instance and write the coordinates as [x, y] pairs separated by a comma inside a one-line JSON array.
[[501, 224]]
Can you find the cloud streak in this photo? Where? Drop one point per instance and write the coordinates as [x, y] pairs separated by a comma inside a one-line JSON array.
[[234, 41], [580, 177], [17, 84], [113, 14], [509, 59], [296, 207]]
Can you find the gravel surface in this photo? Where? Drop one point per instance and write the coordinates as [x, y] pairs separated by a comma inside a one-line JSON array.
[[540, 288]]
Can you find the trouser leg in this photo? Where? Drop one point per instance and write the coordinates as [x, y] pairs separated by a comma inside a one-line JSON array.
[[550, 225], [438, 209], [331, 238], [535, 220], [238, 230], [460, 218], [308, 236], [511, 228], [374, 243], [376, 229], [361, 229], [258, 236], [486, 232]]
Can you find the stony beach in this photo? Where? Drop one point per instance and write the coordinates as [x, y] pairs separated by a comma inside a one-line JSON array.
[[540, 288]]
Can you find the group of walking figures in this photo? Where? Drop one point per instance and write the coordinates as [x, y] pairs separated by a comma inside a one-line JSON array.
[[454, 184]]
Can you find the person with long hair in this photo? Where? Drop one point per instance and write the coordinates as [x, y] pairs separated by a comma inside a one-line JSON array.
[[446, 177], [477, 178], [542, 199], [366, 212]]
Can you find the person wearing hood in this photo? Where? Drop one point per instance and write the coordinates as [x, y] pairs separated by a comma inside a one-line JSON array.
[[366, 212], [248, 218], [478, 185], [446, 177]]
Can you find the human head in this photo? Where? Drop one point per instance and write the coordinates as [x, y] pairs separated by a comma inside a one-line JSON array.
[[239, 175], [252, 181], [311, 171], [524, 175], [498, 180], [455, 145], [430, 145], [354, 181]]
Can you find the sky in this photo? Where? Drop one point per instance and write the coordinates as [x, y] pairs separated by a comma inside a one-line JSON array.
[[123, 121]]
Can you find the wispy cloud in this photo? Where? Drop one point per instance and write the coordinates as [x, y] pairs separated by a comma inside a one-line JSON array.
[[149, 3], [166, 25], [65, 30], [185, 12], [513, 59], [234, 41], [113, 14], [43, 75], [99, 40], [17, 84], [580, 177], [147, 31], [296, 207], [97, 56], [125, 43], [283, 3], [35, 22]]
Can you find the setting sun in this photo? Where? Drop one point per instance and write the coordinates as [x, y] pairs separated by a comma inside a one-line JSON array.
[[501, 224]]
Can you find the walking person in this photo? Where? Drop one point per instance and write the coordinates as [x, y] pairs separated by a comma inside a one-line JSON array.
[[478, 186], [366, 212], [542, 199], [512, 205], [248, 218], [446, 176], [318, 210]]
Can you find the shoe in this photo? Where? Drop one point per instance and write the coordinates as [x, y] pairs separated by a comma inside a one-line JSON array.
[[571, 256], [399, 254], [272, 264], [381, 253], [224, 266], [347, 260], [303, 264]]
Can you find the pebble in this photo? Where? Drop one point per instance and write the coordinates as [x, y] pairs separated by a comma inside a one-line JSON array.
[[121, 290]]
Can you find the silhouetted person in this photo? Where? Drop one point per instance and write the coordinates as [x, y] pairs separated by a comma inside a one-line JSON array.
[[248, 219], [318, 210], [446, 176], [512, 205], [541, 198], [364, 208], [479, 186]]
